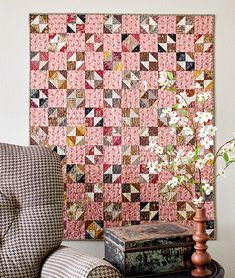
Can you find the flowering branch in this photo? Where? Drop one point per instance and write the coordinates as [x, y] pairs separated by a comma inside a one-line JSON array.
[[189, 119]]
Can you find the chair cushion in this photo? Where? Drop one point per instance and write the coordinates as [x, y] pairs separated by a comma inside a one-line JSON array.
[[68, 262], [31, 204]]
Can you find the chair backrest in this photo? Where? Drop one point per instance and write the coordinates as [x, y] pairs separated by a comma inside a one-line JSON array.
[[31, 208]]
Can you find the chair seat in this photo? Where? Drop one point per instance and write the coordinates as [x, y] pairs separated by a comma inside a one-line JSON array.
[[67, 262]]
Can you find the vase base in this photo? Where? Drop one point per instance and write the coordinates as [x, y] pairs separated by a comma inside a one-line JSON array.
[[197, 272]]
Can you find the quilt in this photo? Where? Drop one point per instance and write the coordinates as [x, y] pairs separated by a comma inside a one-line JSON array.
[[94, 100]]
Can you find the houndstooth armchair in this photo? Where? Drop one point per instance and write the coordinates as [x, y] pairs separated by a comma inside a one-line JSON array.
[[31, 222]]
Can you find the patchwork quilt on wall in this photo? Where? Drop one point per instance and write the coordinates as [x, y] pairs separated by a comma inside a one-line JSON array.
[[94, 100]]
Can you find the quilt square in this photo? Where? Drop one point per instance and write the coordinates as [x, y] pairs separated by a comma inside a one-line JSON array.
[[38, 98], [57, 23], [76, 61], [76, 23], [96, 102], [57, 42], [112, 211], [57, 79], [112, 136], [167, 43], [94, 117], [39, 60], [75, 136], [130, 117], [75, 98], [112, 98], [148, 24], [75, 173], [130, 192], [130, 43], [94, 192], [130, 155], [57, 117], [94, 42], [112, 173], [38, 23], [112, 24], [149, 211], [185, 24], [112, 60], [94, 154]]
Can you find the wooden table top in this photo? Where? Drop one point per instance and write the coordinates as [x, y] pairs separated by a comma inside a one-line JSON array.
[[216, 268]]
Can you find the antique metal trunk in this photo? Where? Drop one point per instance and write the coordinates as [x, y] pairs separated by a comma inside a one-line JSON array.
[[149, 249]]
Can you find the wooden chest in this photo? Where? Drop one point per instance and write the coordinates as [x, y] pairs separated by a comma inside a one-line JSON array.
[[149, 249]]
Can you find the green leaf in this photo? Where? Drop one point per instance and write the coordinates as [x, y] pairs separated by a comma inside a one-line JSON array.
[[169, 148], [183, 112], [171, 89], [196, 155], [226, 157], [171, 167], [175, 106], [170, 75]]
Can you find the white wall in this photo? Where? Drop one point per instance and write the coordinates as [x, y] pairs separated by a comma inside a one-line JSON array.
[[14, 82]]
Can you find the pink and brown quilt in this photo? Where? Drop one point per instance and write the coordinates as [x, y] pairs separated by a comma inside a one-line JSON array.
[[89, 103]]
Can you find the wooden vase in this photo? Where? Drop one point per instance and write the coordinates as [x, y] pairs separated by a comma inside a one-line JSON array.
[[200, 258]]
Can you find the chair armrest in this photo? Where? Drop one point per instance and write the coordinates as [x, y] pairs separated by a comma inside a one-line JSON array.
[[66, 262]]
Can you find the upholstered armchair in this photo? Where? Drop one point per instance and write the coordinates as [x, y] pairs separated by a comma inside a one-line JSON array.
[[31, 222]]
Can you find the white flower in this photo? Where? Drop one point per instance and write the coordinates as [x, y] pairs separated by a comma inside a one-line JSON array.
[[159, 149], [180, 153], [199, 118], [207, 188], [190, 154], [183, 121], [211, 130], [159, 167], [185, 159], [202, 131], [198, 201], [208, 116], [230, 147], [182, 179], [173, 114], [181, 105], [181, 100], [200, 164], [165, 163], [203, 117], [165, 112], [203, 96], [207, 142], [162, 80], [177, 161], [187, 131], [173, 182], [207, 130], [209, 156], [174, 120], [221, 173]]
